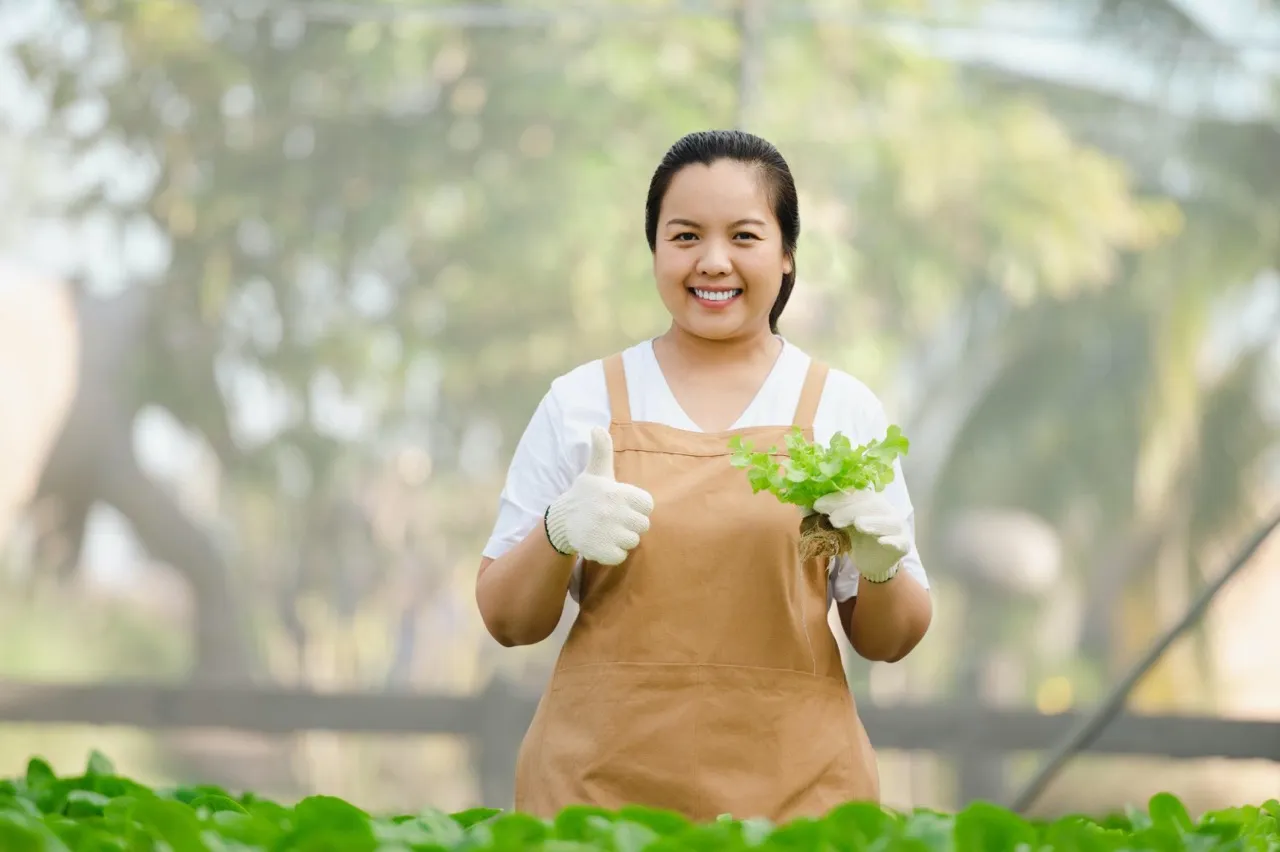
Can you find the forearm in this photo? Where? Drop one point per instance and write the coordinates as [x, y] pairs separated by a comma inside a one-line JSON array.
[[889, 618], [521, 594]]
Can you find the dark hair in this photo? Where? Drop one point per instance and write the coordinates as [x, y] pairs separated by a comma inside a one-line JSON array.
[[705, 148]]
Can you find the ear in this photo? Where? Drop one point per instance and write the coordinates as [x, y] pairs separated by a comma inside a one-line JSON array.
[[788, 265]]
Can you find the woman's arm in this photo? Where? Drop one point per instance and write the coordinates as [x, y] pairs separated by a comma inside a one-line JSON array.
[[524, 578], [521, 594], [890, 620], [891, 616], [523, 582]]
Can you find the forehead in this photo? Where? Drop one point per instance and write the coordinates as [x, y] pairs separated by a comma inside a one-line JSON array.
[[726, 191]]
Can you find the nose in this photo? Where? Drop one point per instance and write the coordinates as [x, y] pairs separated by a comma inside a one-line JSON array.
[[714, 260]]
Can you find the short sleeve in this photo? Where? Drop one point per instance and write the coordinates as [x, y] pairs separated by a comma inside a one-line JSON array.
[[538, 474], [844, 576]]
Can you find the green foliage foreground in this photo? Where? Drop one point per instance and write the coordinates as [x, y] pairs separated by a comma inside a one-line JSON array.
[[99, 810]]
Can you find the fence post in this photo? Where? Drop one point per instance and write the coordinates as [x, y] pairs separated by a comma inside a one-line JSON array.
[[504, 716]]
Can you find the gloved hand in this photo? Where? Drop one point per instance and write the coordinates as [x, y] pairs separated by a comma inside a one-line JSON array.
[[877, 530], [599, 518]]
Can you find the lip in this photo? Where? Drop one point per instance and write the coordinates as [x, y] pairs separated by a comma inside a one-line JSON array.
[[716, 305]]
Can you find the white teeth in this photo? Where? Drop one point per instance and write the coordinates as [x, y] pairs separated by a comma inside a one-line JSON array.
[[716, 295]]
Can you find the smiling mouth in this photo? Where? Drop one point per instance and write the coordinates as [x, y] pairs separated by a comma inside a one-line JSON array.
[[715, 295]]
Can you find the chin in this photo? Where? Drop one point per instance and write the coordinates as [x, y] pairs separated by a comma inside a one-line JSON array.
[[715, 328], [731, 322]]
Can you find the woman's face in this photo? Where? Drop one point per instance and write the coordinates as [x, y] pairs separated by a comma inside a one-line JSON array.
[[719, 258]]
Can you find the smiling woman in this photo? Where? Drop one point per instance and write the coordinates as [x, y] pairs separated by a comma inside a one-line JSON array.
[[723, 221], [700, 675]]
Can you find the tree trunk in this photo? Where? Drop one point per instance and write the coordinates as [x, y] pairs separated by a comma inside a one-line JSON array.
[[39, 354], [92, 460]]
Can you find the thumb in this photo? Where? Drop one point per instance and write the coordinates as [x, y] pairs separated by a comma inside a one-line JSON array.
[[601, 461]]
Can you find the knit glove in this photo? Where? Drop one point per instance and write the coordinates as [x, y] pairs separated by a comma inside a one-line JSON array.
[[599, 518], [877, 530]]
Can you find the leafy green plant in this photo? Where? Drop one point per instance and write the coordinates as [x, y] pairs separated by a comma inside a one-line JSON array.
[[809, 471], [100, 811]]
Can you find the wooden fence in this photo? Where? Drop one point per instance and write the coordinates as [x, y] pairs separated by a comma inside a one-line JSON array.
[[494, 721]]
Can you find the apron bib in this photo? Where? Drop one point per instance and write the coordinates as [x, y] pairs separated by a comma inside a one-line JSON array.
[[701, 675]]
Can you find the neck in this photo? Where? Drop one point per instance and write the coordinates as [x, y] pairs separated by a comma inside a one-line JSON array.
[[691, 349]]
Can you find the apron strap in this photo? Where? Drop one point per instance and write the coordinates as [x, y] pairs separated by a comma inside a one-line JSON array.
[[811, 394], [615, 381]]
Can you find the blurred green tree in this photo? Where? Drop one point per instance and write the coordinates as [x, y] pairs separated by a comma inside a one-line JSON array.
[[387, 233]]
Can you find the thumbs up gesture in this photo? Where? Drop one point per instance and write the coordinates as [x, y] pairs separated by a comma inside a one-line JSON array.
[[599, 518]]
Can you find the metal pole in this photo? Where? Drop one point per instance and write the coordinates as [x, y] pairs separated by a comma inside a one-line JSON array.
[[750, 18], [1084, 733]]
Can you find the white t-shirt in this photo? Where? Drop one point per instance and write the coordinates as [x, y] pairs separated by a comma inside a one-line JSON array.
[[556, 443]]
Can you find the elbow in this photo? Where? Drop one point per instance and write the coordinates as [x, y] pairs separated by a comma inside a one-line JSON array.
[[506, 640], [500, 632], [898, 652], [912, 636], [506, 630], [881, 651], [509, 635], [507, 616], [496, 618], [892, 643]]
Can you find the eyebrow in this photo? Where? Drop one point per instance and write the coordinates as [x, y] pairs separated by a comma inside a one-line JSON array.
[[692, 224]]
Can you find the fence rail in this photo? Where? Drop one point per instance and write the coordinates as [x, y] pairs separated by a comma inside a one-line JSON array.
[[494, 721], [501, 713]]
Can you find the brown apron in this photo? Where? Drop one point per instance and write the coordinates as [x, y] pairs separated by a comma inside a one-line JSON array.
[[701, 674]]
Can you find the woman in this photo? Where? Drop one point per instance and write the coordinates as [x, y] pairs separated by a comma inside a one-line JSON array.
[[700, 675]]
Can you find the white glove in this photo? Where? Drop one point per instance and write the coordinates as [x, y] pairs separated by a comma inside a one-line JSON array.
[[877, 530], [599, 518]]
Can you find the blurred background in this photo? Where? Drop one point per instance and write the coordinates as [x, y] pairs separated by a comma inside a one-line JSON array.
[[281, 282]]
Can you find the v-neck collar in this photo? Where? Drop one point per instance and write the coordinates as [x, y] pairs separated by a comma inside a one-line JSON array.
[[772, 375]]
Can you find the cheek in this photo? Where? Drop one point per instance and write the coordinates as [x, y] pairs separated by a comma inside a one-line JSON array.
[[764, 273], [669, 267]]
